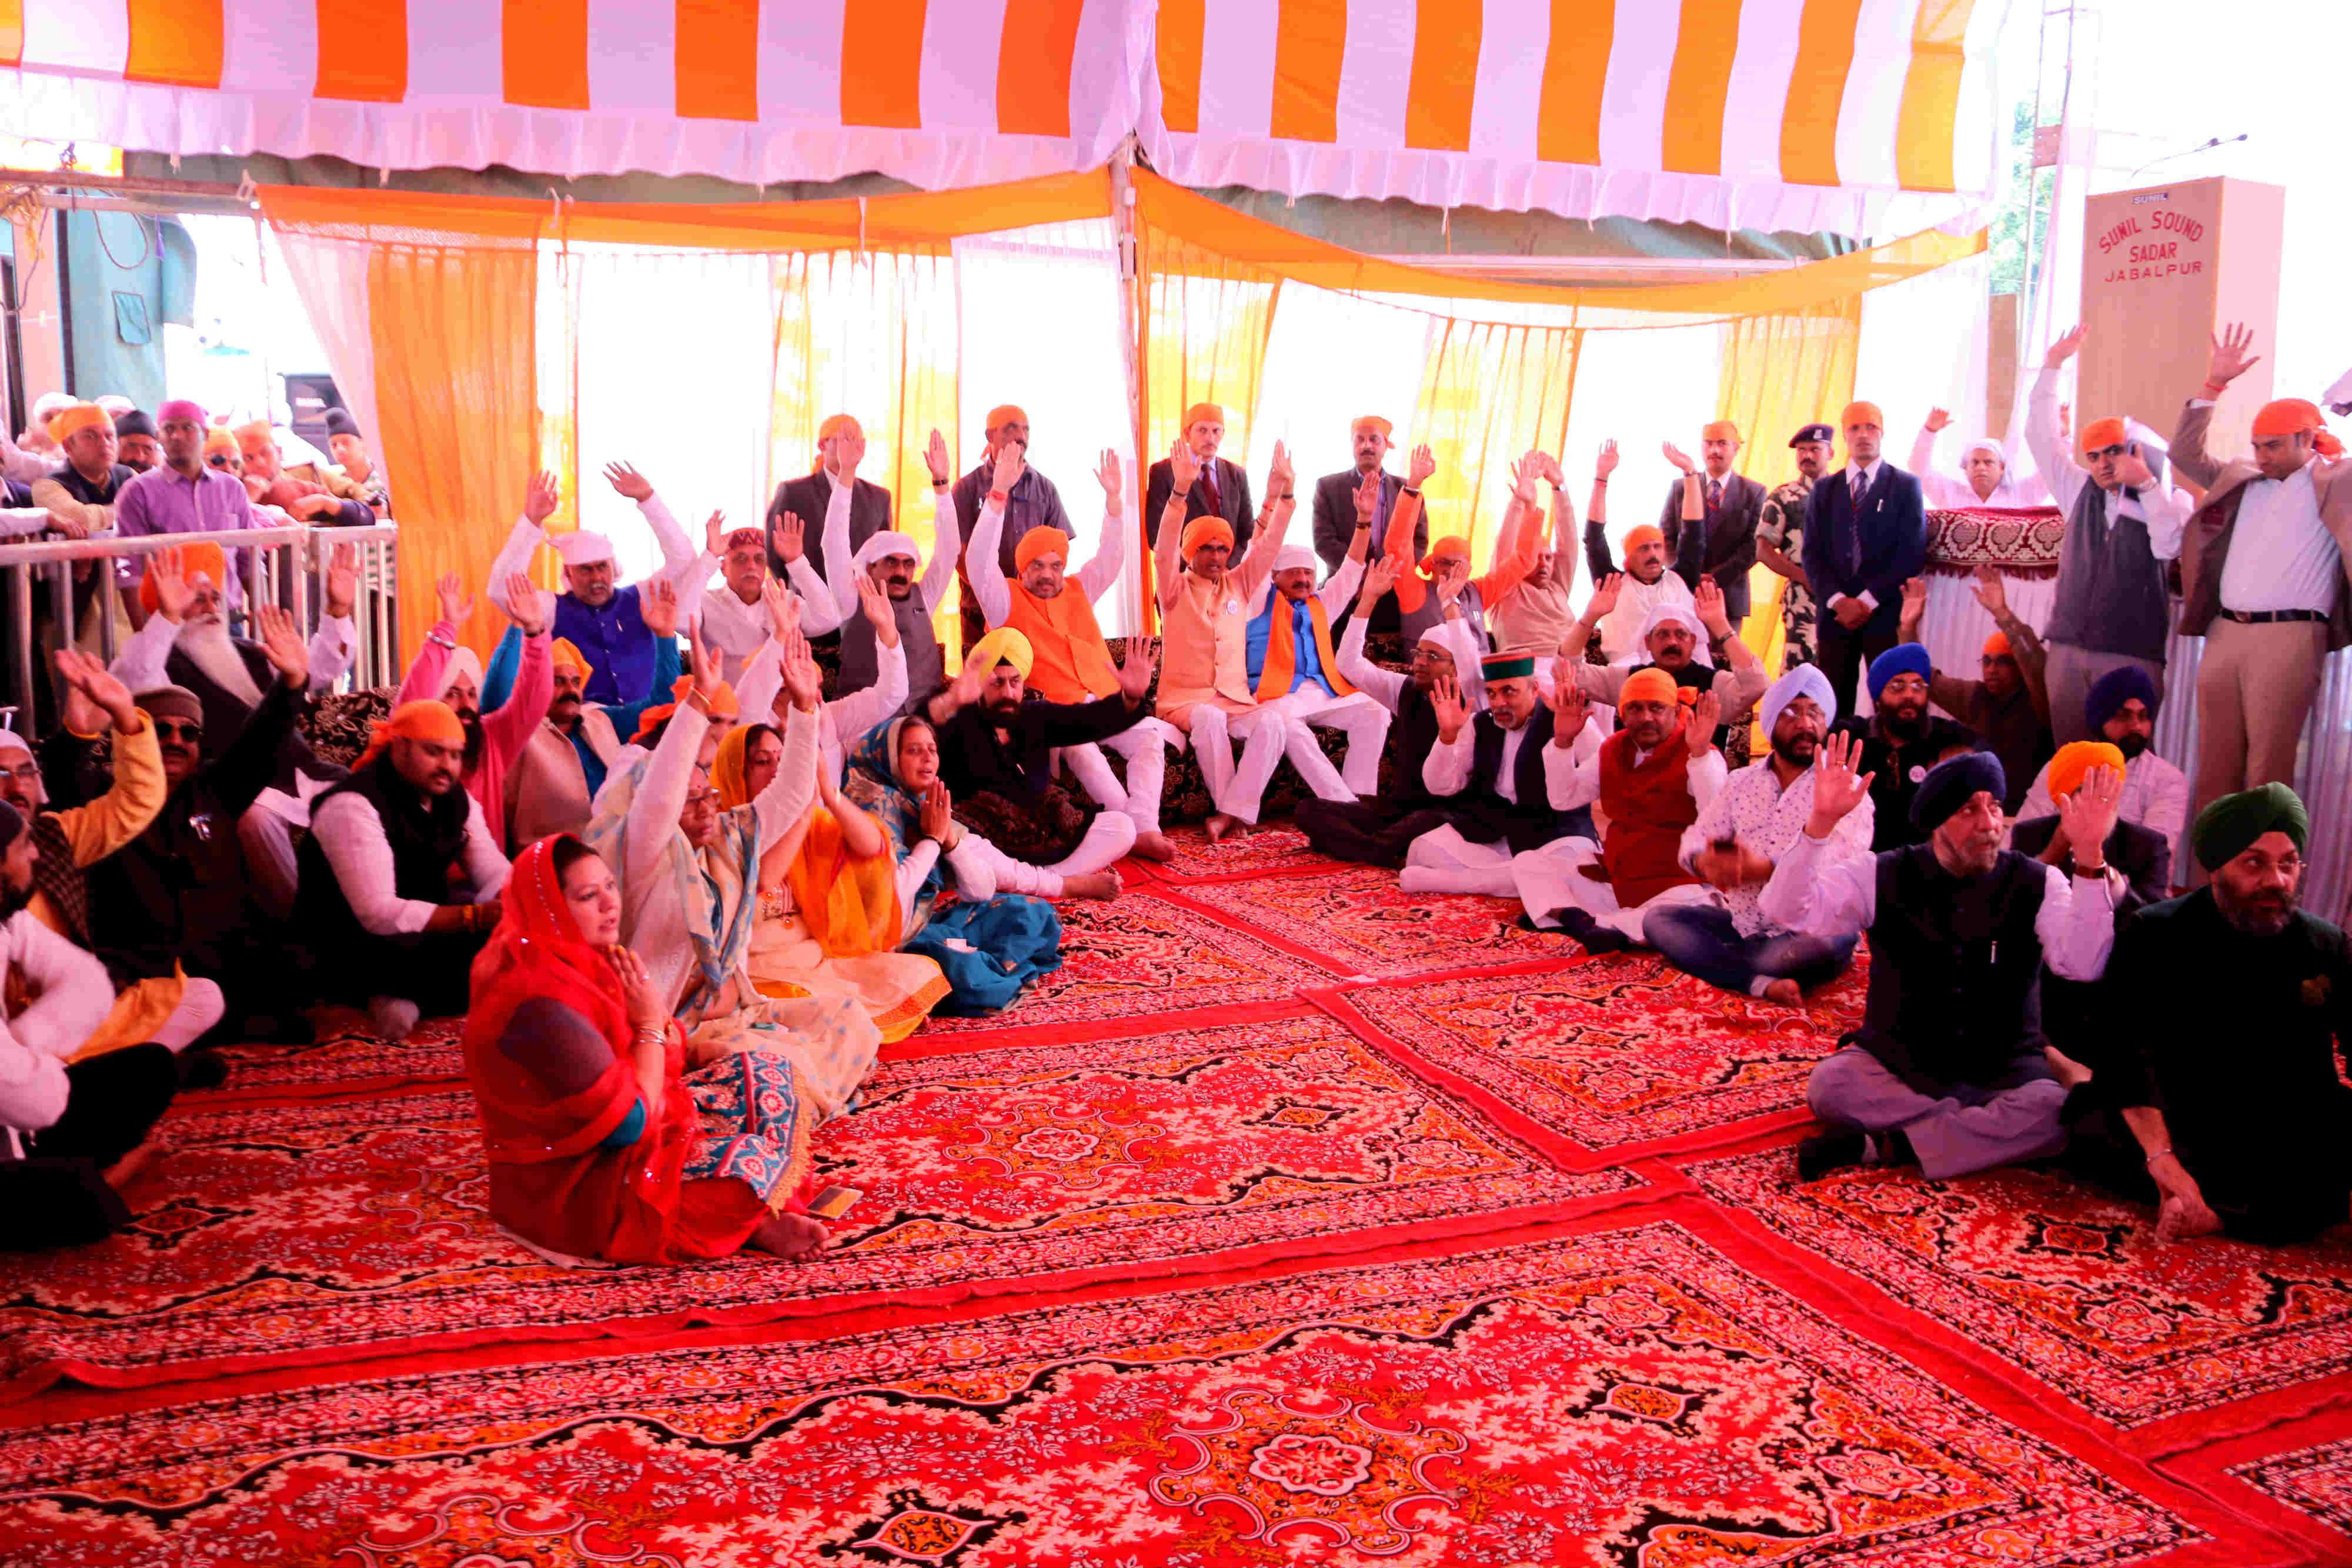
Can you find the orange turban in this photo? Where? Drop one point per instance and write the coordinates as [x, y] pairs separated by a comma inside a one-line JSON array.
[[1371, 421], [722, 702], [77, 416], [2075, 762], [1045, 540], [1647, 534], [254, 427], [2102, 433], [427, 719], [563, 653], [1005, 413], [2283, 416], [1201, 412], [1861, 414], [831, 427], [1720, 430], [1206, 530], [204, 555], [1996, 646], [219, 440], [1451, 544], [1650, 685]]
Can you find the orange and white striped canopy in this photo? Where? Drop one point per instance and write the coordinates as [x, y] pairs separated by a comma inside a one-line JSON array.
[[939, 94], [1851, 116]]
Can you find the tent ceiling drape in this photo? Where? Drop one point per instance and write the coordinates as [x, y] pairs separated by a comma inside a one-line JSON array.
[[1856, 117]]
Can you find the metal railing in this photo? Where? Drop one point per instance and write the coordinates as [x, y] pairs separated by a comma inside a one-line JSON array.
[[270, 564]]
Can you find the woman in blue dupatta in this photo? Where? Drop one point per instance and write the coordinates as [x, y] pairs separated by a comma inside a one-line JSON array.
[[991, 946]]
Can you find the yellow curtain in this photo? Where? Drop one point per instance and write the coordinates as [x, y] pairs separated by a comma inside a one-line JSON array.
[[1488, 393], [1781, 372], [871, 335], [456, 381]]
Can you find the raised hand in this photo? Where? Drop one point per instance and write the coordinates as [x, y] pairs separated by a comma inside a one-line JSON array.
[[342, 580], [1010, 466], [1915, 601], [1707, 600], [640, 998], [2066, 347], [848, 452], [1107, 474], [1379, 577], [168, 569], [1136, 666], [2230, 359], [1523, 479], [527, 607], [1836, 788], [935, 458], [1991, 589], [1604, 596], [784, 607], [1677, 456], [1280, 478], [1548, 468], [1445, 702], [457, 604], [2088, 815], [283, 645], [1567, 701], [1605, 463], [624, 478], [803, 683], [938, 813], [1367, 499], [874, 602], [1937, 418], [789, 535], [964, 690], [714, 534], [703, 660], [1183, 467], [2133, 469], [1424, 463], [658, 607], [1698, 730], [541, 495], [92, 695]]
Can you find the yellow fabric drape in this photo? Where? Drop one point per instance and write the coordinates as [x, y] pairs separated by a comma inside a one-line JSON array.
[[872, 336], [456, 392], [1488, 393], [1780, 373]]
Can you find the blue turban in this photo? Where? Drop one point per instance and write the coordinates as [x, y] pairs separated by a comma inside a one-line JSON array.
[[1951, 783], [2113, 689], [1902, 659]]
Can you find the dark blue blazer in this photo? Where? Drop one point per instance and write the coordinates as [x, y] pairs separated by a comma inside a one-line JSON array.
[[1894, 546]]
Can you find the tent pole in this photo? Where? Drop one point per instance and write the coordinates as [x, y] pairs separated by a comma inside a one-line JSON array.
[[1122, 209]]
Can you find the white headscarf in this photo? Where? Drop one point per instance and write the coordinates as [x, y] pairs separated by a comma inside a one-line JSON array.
[[463, 661], [1680, 614], [11, 741], [887, 542]]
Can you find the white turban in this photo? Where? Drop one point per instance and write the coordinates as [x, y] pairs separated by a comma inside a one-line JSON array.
[[1669, 611], [462, 661], [1804, 681], [1984, 443], [11, 741], [885, 543], [581, 547], [1436, 638], [1294, 556]]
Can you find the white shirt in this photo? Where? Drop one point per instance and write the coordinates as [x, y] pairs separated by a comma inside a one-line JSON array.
[[1947, 491], [2156, 796], [1823, 896], [1859, 477], [71, 996], [841, 562], [1446, 771], [140, 664], [1387, 687], [841, 721], [738, 630], [1620, 629], [1753, 809], [351, 834], [2282, 556], [1581, 786], [2163, 509]]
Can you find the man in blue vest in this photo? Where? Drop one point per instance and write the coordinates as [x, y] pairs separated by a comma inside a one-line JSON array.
[[1865, 536], [1949, 1070]]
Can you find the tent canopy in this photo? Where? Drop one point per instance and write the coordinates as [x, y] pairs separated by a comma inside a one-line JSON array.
[[1847, 116]]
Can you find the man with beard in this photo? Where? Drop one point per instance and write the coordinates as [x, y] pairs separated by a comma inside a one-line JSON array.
[[1780, 541], [179, 898], [1338, 517], [136, 447], [1621, 602], [1650, 780], [400, 875], [1865, 537], [2232, 1093], [1532, 615], [1949, 1069], [1674, 639], [2121, 710], [1054, 609], [183, 495], [451, 675], [1499, 778], [1712, 517], [1744, 832], [1207, 484], [554, 780], [2008, 710], [1902, 742], [996, 758], [603, 621], [1378, 830], [891, 561]]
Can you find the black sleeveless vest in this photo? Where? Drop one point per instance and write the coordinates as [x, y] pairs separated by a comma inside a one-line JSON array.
[[424, 845], [1954, 968]]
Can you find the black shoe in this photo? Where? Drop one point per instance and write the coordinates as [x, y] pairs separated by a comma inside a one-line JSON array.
[[201, 1068], [1820, 1154], [1595, 937]]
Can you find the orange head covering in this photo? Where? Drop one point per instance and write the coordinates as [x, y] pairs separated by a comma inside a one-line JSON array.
[[727, 768], [1045, 540], [219, 440], [722, 702], [1650, 685], [204, 555], [1451, 544], [2282, 416], [258, 428], [563, 653], [1996, 646], [831, 427], [1005, 413], [1209, 412], [1371, 421], [76, 417], [1720, 430], [2075, 762], [2102, 433], [427, 719], [1861, 414], [1647, 534], [1206, 531]]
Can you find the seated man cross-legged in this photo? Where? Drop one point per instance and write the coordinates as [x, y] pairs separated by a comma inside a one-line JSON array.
[[1501, 781]]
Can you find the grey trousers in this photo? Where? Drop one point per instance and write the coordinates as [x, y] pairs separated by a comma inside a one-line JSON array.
[[2071, 674], [1963, 1127]]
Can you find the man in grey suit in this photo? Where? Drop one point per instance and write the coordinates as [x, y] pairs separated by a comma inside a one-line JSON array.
[[1221, 490], [1335, 509], [1711, 517]]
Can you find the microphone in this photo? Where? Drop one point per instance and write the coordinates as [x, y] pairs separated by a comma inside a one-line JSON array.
[[2205, 146]]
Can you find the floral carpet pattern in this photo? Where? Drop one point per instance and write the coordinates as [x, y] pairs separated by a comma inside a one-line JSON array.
[[1295, 1220]]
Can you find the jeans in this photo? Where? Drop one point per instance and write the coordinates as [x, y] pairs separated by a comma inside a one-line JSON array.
[[1701, 940]]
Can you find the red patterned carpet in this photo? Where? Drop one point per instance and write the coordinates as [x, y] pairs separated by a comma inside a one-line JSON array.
[[1294, 1221]]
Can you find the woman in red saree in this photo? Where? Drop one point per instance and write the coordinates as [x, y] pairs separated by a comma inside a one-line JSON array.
[[601, 1142]]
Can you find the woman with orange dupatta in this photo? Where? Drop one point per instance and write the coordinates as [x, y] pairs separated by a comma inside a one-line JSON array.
[[601, 1142]]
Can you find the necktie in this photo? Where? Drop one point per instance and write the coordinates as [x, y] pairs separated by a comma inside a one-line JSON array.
[[1857, 490], [1714, 495], [1209, 488]]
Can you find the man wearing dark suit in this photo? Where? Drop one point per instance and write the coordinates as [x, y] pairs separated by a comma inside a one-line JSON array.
[[1865, 536], [1223, 490], [1335, 509], [1715, 536], [806, 497]]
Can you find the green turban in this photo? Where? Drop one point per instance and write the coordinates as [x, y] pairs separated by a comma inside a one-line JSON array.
[[2224, 829]]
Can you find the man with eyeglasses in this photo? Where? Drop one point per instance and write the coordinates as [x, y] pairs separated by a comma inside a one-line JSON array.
[[183, 495], [2122, 523], [1902, 742]]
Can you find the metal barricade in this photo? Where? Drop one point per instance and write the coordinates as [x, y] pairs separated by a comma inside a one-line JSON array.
[[282, 566]]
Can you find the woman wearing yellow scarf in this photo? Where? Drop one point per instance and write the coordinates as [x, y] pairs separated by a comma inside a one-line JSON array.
[[829, 918]]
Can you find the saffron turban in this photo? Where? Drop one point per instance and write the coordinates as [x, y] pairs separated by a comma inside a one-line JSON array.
[[1005, 413], [1292, 558], [2282, 416], [1720, 430], [1204, 413], [1647, 534], [204, 555], [426, 719], [1507, 666], [1861, 414], [1804, 681], [1045, 540], [172, 701], [582, 546], [722, 703], [2226, 828], [1005, 646], [1902, 659], [1996, 646], [2117, 688], [1371, 421], [1952, 784], [2102, 433], [259, 428], [1451, 544], [182, 408], [219, 440], [835, 423], [889, 542], [563, 655], [2075, 762], [76, 417], [1201, 531], [1651, 685]]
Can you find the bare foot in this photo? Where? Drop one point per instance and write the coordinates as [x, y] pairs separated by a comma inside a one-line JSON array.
[[1095, 884], [2069, 1073], [1153, 846], [130, 1165], [2177, 1220], [1220, 824], [789, 1235], [1786, 992]]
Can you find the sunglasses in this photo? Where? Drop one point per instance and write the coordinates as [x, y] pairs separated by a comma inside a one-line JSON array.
[[178, 729], [217, 460], [2116, 451]]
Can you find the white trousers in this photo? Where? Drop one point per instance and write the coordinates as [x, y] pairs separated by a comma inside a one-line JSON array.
[[1360, 717], [1109, 837], [1443, 861], [200, 1006], [1238, 787], [1552, 878], [1005, 875], [1144, 747]]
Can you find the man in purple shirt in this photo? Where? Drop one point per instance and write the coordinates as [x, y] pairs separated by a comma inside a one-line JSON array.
[[180, 496]]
